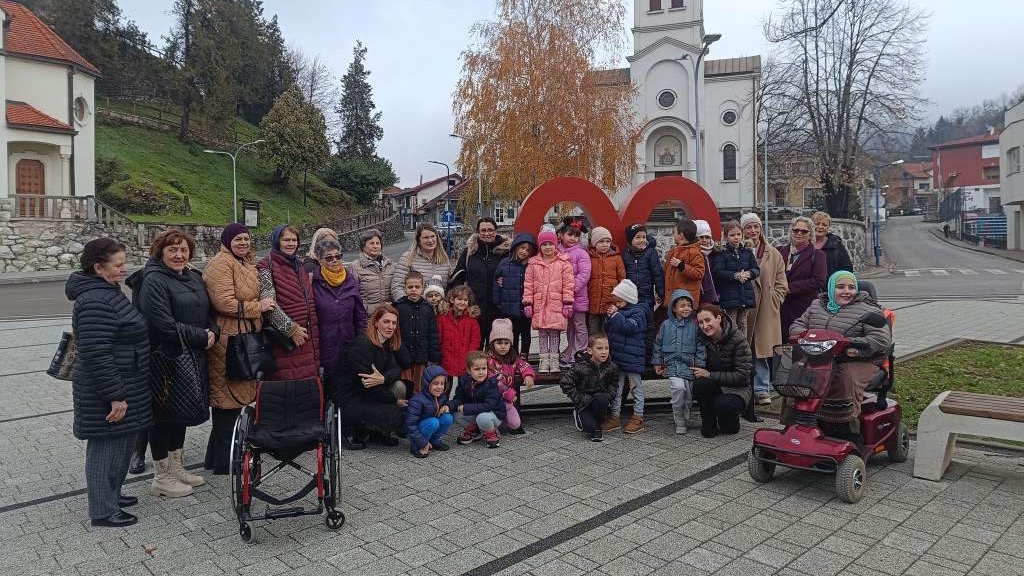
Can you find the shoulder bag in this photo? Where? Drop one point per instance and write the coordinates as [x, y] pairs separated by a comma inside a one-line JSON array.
[[248, 354], [64, 359]]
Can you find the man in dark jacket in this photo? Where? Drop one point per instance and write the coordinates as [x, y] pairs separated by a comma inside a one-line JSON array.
[[508, 289], [476, 267]]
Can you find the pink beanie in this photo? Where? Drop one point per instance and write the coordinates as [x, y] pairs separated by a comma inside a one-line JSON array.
[[547, 236]]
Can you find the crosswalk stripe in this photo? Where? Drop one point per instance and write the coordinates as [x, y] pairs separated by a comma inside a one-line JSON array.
[[1019, 271], [968, 272], [995, 271], [912, 272], [940, 272]]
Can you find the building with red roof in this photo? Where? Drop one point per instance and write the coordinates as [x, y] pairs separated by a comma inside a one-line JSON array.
[[48, 138], [972, 164]]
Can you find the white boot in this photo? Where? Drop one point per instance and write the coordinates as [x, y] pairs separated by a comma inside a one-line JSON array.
[[164, 482], [179, 472]]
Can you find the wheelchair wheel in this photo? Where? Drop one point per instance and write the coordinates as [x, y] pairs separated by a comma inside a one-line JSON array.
[[902, 450], [850, 478], [333, 464], [237, 452], [335, 519], [245, 531]]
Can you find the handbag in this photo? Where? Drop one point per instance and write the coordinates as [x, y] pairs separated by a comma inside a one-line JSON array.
[[248, 354], [179, 386], [64, 358]]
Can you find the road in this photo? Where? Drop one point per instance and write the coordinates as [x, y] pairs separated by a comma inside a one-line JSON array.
[[46, 299], [928, 267]]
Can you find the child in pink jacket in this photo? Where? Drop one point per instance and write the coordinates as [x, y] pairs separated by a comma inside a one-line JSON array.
[[510, 369], [570, 237], [548, 297]]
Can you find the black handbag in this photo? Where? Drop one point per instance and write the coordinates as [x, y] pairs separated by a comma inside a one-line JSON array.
[[248, 354], [179, 385], [64, 359]]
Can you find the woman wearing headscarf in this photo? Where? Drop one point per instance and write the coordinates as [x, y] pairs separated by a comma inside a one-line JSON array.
[[285, 281], [339, 308], [234, 290], [805, 272], [374, 270]]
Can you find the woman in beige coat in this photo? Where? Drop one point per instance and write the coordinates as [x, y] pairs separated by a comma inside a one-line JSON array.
[[764, 320], [233, 286], [374, 270]]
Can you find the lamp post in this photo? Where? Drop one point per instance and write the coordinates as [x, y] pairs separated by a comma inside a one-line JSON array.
[[234, 174], [878, 195], [479, 177], [447, 200], [709, 39]]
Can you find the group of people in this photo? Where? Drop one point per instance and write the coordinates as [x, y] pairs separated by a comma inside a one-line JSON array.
[[409, 348]]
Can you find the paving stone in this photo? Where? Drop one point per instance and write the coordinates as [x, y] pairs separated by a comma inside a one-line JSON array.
[[997, 564], [820, 562], [886, 560], [933, 566]]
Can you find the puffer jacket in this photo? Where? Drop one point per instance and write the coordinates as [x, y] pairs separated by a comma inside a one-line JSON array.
[[512, 272], [421, 406], [580, 262], [688, 274], [606, 271], [626, 329], [729, 360], [415, 260], [836, 256], [477, 397], [726, 261], [677, 346], [375, 278], [420, 336], [459, 336], [506, 373], [112, 362], [231, 283], [548, 286], [296, 306], [476, 268], [645, 270], [847, 321], [340, 316], [586, 378]]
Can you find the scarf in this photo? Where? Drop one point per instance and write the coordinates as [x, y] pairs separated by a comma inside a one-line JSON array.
[[275, 241], [832, 305], [333, 279]]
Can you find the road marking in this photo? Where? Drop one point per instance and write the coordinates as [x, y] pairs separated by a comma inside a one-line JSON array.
[[968, 272], [912, 272], [940, 273], [995, 271], [1019, 271]]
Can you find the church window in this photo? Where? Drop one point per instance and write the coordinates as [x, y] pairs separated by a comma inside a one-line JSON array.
[[655, 5], [729, 117], [729, 162], [81, 109], [666, 98]]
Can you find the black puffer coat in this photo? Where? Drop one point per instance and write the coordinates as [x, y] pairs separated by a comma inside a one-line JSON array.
[[729, 361], [476, 266], [113, 359], [837, 258], [418, 324], [586, 378]]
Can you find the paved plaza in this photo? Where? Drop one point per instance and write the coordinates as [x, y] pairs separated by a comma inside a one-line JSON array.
[[549, 502]]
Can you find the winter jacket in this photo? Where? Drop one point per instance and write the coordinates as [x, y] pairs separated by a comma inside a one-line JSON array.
[[770, 290], [476, 268], [477, 397], [422, 405], [420, 336], [726, 261], [375, 407], [586, 378], [626, 329], [459, 336], [415, 260], [231, 283], [688, 274], [806, 279], [847, 321], [836, 256], [729, 361], [291, 289], [645, 270], [708, 290], [509, 296], [677, 346], [606, 271], [375, 278], [112, 362], [340, 316], [548, 286], [580, 262], [506, 373]]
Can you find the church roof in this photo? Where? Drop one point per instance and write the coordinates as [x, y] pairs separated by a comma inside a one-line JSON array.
[[732, 66], [21, 115], [612, 77], [27, 35]]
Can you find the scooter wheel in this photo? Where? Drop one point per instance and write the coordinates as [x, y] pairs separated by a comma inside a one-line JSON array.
[[759, 470], [902, 450], [850, 478]]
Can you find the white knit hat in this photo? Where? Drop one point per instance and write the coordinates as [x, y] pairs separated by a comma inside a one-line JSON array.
[[627, 291], [703, 228], [750, 217], [434, 285]]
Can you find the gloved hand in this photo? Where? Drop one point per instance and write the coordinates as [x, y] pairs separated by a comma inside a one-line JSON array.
[[509, 395], [528, 311], [567, 310]]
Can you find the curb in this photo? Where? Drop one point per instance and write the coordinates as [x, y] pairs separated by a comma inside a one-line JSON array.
[[965, 246]]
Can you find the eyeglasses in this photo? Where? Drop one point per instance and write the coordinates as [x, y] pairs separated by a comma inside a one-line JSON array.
[[801, 231], [332, 258]]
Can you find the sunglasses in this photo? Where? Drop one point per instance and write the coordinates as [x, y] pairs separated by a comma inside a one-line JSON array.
[[332, 258], [801, 231]]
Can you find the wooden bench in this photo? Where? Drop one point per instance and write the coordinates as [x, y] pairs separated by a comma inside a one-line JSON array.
[[953, 413]]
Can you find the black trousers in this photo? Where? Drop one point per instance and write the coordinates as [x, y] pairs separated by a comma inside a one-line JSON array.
[[718, 412], [522, 335], [218, 448], [488, 312], [652, 331], [164, 438], [596, 412]]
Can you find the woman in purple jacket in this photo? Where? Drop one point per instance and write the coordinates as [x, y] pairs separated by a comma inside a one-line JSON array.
[[339, 306]]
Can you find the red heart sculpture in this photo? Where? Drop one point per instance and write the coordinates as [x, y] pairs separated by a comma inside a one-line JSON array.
[[601, 212]]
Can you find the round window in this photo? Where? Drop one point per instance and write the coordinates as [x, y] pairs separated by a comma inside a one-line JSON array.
[[666, 99], [81, 109], [729, 117]]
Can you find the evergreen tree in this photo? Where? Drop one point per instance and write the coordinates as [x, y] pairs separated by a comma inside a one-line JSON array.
[[295, 134], [360, 125]]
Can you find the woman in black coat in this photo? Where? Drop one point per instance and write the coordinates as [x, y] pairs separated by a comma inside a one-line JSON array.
[[366, 386], [836, 256], [172, 296], [723, 387], [109, 381], [476, 268]]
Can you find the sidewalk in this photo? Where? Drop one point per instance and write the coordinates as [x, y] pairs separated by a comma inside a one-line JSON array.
[[1015, 255]]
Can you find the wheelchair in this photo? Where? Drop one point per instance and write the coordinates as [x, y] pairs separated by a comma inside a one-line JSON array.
[[287, 420]]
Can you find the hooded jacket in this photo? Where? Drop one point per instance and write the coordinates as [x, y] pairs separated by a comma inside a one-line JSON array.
[[112, 362], [476, 268], [423, 405], [548, 286], [726, 261], [340, 316], [606, 271], [677, 346], [585, 378], [477, 397], [508, 297], [847, 321], [375, 278], [645, 270], [626, 329], [459, 335], [729, 361], [580, 262], [688, 274]]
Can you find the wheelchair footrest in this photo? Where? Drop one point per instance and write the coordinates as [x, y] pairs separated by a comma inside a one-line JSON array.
[[274, 513]]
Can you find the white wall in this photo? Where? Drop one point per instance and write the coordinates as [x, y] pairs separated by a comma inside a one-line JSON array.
[[720, 95], [85, 140], [3, 127], [44, 86], [1012, 184]]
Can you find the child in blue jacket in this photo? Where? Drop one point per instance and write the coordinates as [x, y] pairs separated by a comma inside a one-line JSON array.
[[477, 404], [508, 289], [644, 269], [428, 416], [627, 327], [734, 268], [677, 349]]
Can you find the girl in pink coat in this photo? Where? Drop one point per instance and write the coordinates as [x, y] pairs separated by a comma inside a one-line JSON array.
[[548, 297], [569, 233]]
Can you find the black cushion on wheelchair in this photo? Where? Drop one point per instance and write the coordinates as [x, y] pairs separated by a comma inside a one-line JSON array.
[[869, 287], [288, 415]]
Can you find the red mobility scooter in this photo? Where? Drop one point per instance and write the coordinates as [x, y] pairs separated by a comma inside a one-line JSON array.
[[803, 371]]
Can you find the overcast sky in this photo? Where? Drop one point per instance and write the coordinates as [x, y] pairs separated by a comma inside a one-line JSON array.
[[414, 47]]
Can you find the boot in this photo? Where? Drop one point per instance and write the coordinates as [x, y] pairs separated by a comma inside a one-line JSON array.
[[179, 472], [164, 482], [138, 462], [635, 424], [542, 363], [612, 423]]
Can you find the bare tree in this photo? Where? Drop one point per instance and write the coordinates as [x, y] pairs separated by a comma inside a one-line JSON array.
[[316, 81], [845, 84]]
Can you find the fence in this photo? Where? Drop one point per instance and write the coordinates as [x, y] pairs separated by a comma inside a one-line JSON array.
[[38, 206]]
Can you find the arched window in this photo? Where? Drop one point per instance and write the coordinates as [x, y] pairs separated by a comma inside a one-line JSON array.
[[729, 162]]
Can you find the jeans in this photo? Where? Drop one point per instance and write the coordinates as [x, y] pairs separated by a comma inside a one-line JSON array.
[[682, 398], [638, 394], [486, 421], [435, 427], [762, 375]]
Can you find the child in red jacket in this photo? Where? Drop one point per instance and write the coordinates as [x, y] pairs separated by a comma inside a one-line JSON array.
[[458, 329]]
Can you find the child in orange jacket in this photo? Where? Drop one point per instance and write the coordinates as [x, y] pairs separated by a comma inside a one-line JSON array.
[[684, 263], [606, 271]]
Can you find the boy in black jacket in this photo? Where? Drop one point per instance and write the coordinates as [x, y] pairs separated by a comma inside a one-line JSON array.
[[418, 324], [592, 383]]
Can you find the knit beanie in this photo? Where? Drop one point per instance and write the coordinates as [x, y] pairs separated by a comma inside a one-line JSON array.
[[432, 371], [632, 230], [703, 228], [598, 234], [750, 217], [434, 285], [547, 236], [501, 329], [627, 291], [229, 233]]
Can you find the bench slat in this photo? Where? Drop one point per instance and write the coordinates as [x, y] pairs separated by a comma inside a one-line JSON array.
[[984, 406]]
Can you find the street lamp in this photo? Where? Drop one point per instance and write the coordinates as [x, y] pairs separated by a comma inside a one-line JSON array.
[[878, 195], [709, 39], [234, 174], [479, 179], [447, 201]]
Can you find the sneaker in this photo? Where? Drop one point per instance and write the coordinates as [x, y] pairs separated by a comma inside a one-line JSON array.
[[517, 431], [492, 438], [612, 423], [597, 436], [419, 454], [635, 424], [470, 434], [680, 430], [439, 445], [763, 399]]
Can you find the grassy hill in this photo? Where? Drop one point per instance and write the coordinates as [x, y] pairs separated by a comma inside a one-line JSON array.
[[156, 164]]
